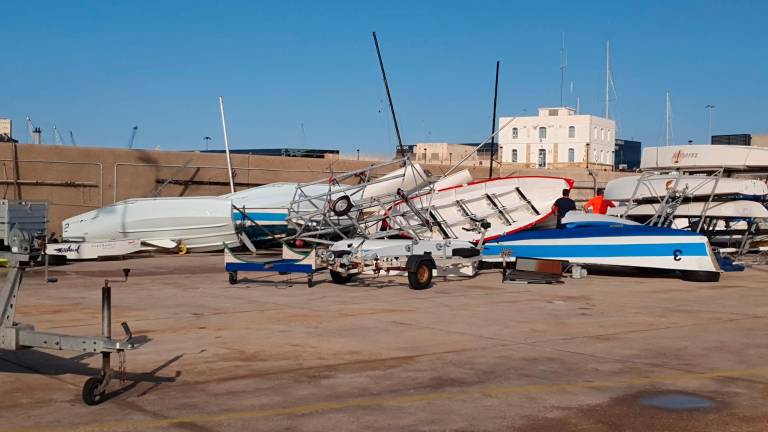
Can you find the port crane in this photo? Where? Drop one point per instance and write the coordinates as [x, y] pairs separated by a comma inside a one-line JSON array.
[[133, 136]]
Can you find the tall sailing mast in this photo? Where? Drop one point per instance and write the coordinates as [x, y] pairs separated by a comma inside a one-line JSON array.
[[669, 120], [607, 76]]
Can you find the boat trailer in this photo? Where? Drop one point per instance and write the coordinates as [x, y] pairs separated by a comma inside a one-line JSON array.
[[26, 245]]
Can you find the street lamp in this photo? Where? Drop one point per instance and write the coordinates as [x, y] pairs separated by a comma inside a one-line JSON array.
[[206, 140], [358, 154], [709, 108]]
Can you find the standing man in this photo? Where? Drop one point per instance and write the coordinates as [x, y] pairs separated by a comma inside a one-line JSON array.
[[562, 206], [599, 204]]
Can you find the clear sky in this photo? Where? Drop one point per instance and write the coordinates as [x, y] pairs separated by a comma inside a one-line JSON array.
[[98, 68]]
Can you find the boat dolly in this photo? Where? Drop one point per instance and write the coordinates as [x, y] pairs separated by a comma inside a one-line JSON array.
[[17, 336]]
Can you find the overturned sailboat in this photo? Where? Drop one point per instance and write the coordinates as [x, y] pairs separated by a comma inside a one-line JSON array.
[[607, 241], [509, 204]]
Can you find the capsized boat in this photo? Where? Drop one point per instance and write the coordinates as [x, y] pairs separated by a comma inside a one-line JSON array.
[[202, 224], [655, 187], [611, 241], [194, 223], [736, 209], [510, 204]]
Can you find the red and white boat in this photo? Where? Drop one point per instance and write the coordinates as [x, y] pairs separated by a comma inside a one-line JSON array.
[[510, 204]]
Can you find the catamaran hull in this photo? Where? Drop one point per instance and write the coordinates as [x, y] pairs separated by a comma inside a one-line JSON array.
[[634, 246]]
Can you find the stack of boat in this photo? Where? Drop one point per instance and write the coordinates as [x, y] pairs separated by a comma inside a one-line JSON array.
[[717, 190]]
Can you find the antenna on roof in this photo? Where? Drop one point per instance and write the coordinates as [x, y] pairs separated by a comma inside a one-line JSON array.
[[400, 148]]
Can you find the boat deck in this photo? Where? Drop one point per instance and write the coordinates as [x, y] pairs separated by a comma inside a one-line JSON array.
[[601, 353]]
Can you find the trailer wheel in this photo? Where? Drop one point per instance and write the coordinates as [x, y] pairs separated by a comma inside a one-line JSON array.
[[91, 394], [309, 280], [232, 278], [421, 277], [340, 278], [701, 276]]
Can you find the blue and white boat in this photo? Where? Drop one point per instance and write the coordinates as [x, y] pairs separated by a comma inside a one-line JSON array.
[[608, 241]]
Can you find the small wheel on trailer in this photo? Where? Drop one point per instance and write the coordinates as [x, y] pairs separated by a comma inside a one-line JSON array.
[[340, 278], [421, 277], [232, 278], [310, 276], [91, 393]]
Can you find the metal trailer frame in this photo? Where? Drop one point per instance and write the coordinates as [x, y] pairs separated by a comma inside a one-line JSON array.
[[17, 336], [318, 216], [290, 262], [673, 196]]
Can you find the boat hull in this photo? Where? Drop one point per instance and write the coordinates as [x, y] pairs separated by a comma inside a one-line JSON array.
[[617, 245], [656, 187], [199, 224], [510, 204]]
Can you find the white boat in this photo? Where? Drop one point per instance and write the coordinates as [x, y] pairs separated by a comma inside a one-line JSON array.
[[736, 209], [698, 186], [201, 224], [612, 243], [192, 223], [704, 157], [510, 204], [93, 250]]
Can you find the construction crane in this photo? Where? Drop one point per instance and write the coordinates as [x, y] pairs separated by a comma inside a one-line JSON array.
[[72, 138], [133, 136], [57, 136], [30, 130]]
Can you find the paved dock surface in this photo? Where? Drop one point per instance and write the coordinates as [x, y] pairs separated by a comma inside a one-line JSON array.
[[604, 353]]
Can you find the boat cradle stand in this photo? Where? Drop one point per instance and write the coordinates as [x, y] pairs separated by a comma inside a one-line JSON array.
[[16, 336]]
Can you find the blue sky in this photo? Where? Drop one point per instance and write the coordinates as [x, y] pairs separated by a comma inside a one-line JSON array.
[[97, 68]]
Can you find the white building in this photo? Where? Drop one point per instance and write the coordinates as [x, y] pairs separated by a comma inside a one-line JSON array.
[[5, 127], [558, 138]]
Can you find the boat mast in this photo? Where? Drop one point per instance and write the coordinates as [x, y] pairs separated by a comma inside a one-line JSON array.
[[563, 64], [400, 148], [669, 120], [493, 121], [607, 75], [226, 145]]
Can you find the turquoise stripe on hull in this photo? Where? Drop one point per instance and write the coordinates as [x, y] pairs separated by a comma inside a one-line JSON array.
[[261, 216]]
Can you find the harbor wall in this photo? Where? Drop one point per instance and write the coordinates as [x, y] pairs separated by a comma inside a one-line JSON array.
[[75, 180]]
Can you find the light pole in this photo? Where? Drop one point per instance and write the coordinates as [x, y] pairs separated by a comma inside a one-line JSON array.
[[358, 154], [206, 140], [709, 108]]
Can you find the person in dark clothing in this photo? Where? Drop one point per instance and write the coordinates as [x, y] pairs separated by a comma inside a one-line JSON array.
[[562, 206]]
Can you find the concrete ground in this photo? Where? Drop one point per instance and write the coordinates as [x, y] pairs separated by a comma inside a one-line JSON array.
[[589, 354]]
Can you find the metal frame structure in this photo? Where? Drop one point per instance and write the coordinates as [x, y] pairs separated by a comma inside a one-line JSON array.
[[317, 216], [16, 336], [673, 197]]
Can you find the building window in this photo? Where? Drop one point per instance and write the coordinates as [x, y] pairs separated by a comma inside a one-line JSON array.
[[571, 154], [571, 131], [542, 133], [553, 113], [514, 155], [514, 133], [595, 132], [602, 133]]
